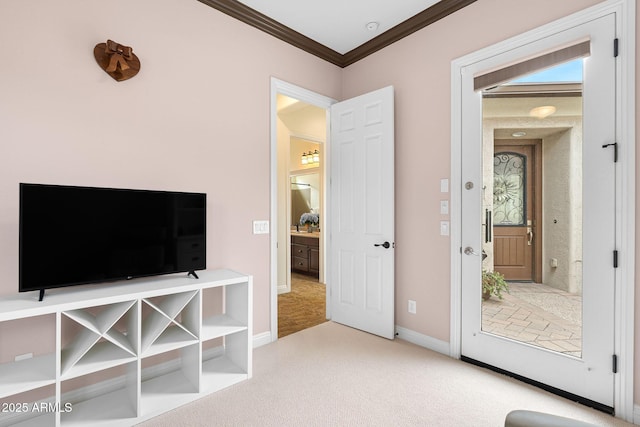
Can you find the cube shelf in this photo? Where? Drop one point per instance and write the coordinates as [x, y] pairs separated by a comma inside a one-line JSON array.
[[118, 406], [99, 345], [126, 352], [29, 374], [173, 322], [17, 411]]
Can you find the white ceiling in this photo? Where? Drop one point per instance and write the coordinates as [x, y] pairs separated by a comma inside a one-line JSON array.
[[340, 25]]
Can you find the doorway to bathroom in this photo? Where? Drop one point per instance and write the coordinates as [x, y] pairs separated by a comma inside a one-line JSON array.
[[356, 260], [301, 130]]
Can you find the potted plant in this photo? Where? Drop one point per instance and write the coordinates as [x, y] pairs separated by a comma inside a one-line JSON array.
[[310, 219], [493, 283]]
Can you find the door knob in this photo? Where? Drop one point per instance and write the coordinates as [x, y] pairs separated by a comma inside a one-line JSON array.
[[385, 245], [469, 251]]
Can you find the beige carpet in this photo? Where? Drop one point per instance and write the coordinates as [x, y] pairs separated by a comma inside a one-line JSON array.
[[331, 375]]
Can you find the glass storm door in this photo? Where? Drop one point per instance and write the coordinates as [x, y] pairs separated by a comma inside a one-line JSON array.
[[548, 229]]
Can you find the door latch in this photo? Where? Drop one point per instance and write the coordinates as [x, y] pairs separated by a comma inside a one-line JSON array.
[[615, 150]]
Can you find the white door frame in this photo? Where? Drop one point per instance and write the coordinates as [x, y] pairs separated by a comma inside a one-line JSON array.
[[321, 101], [625, 182]]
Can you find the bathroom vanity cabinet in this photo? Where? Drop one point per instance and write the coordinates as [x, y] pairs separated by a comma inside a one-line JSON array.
[[305, 253]]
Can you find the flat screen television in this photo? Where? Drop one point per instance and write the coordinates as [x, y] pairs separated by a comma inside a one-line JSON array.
[[73, 235]]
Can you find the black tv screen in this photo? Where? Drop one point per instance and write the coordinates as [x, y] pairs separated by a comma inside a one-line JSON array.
[[77, 235]]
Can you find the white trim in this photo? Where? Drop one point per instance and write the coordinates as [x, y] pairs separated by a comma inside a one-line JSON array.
[[625, 274], [455, 212], [626, 213], [262, 339], [308, 138], [321, 101], [425, 341], [636, 414]]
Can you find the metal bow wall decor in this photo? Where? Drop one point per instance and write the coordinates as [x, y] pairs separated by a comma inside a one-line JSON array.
[[117, 60]]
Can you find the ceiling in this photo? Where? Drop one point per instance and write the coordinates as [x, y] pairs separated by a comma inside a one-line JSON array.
[[517, 112], [336, 30], [338, 24]]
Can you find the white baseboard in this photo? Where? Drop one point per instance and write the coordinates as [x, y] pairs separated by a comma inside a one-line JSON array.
[[403, 333], [262, 339], [423, 340], [636, 414]]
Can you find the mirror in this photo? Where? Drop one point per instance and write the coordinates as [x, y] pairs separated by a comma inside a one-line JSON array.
[[305, 195]]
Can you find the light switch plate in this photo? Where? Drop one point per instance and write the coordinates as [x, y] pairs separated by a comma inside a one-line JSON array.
[[444, 207], [444, 185], [260, 227], [444, 228]]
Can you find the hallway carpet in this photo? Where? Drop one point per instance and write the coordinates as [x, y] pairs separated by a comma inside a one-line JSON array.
[[303, 307]]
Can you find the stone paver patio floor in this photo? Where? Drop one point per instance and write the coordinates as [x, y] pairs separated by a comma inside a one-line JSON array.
[[536, 314]]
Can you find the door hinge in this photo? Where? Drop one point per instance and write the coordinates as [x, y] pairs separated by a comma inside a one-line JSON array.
[[615, 259], [614, 366], [615, 48], [615, 150]]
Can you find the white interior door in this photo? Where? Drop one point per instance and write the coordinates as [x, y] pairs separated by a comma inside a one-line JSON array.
[[361, 209], [591, 374]]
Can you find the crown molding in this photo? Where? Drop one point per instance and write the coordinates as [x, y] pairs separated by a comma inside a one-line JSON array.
[[427, 17], [262, 22], [270, 26]]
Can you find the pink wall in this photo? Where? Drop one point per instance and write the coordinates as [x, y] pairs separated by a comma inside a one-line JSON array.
[[421, 75], [196, 117]]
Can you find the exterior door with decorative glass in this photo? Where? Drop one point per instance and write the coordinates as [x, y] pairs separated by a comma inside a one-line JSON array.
[[580, 236], [515, 233]]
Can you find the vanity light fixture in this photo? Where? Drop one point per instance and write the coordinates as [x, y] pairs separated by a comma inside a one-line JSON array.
[[311, 158]]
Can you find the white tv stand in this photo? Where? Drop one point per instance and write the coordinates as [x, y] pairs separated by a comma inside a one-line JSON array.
[[198, 330]]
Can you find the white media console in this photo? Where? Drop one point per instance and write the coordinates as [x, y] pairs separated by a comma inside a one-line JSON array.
[[144, 347]]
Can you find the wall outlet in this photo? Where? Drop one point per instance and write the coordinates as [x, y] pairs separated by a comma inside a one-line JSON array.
[[23, 357], [260, 227], [412, 307]]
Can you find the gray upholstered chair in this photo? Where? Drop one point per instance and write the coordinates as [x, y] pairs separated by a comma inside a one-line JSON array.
[[521, 418]]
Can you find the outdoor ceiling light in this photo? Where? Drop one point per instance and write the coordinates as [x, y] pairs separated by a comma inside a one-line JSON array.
[[542, 112], [518, 134]]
